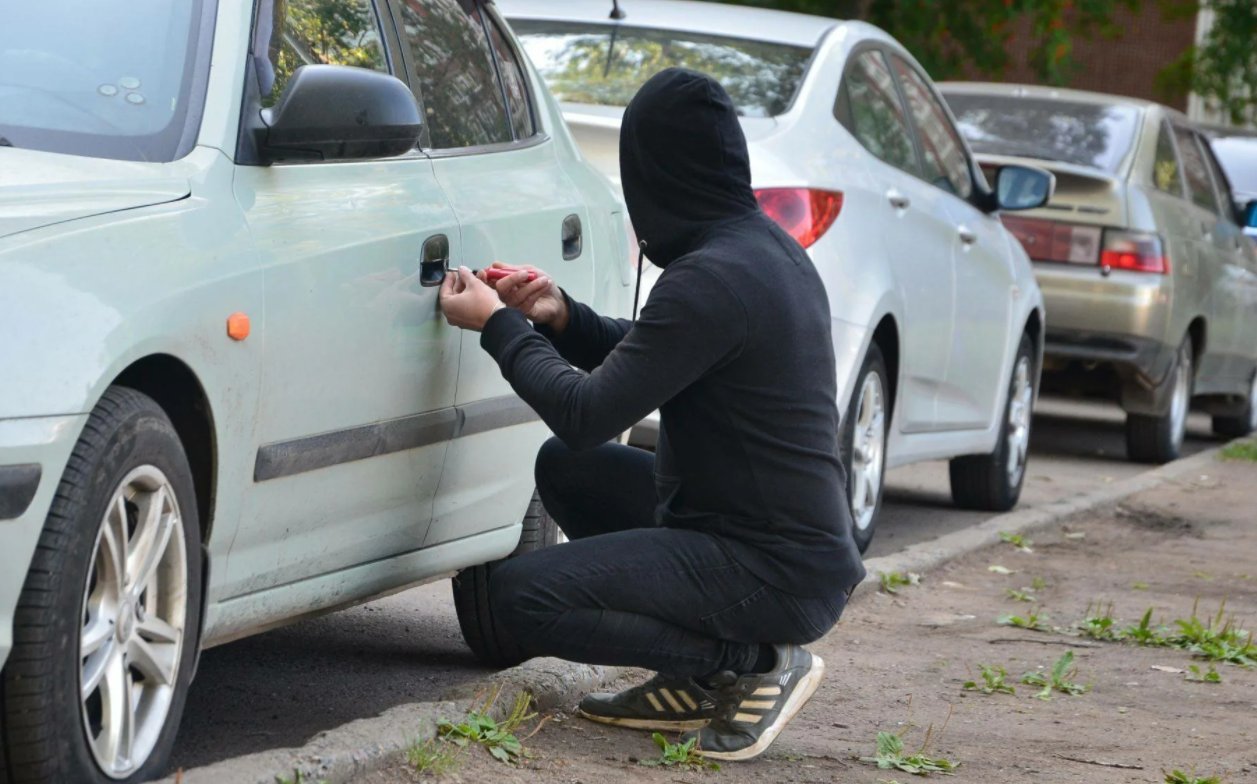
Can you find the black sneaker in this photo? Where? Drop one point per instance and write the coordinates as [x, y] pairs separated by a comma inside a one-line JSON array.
[[663, 703], [754, 708]]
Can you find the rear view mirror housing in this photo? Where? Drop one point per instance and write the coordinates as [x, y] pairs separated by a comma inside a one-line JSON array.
[[336, 112], [1022, 187]]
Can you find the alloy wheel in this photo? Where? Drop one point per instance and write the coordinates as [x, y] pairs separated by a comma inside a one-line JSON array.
[[134, 613], [1181, 401], [868, 448], [1020, 411]]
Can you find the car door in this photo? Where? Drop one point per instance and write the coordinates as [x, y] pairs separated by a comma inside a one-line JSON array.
[[360, 368], [514, 203], [915, 229], [982, 282], [1202, 288]]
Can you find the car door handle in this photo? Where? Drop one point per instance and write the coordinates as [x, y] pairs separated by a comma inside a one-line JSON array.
[[966, 235], [435, 261], [572, 236], [898, 200]]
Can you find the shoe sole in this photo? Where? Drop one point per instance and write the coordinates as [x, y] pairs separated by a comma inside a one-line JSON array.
[[798, 698], [647, 724]]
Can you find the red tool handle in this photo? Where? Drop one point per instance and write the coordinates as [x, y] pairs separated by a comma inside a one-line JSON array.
[[494, 274]]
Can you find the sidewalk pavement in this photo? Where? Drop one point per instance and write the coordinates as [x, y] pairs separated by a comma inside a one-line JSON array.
[[1184, 546]]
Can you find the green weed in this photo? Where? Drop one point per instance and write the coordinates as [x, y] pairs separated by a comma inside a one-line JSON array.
[[1216, 639], [891, 582], [1038, 584], [1022, 595], [1032, 620], [481, 729], [1017, 540], [1195, 676], [1058, 679], [1099, 623], [1139, 586], [992, 681], [1143, 632], [1241, 450], [679, 755], [891, 756]]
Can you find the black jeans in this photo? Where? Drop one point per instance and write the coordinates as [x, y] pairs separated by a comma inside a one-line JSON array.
[[624, 591]]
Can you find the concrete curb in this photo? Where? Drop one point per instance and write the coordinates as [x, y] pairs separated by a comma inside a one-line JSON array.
[[362, 746]]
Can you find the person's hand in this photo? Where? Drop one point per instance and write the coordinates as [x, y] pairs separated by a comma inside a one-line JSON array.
[[466, 301], [540, 301]]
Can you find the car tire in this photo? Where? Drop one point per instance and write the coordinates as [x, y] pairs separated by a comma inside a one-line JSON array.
[[1243, 424], [486, 638], [127, 493], [1159, 439], [864, 432], [993, 482]]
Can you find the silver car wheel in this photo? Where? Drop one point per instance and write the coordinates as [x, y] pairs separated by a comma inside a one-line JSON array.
[[134, 611], [1020, 410], [1252, 405], [868, 448], [1181, 401]]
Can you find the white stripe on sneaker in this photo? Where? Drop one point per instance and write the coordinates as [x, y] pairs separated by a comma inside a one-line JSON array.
[[687, 699], [767, 691], [757, 704], [654, 701], [747, 718], [676, 706]]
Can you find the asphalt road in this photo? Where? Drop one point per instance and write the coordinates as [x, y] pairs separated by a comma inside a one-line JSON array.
[[280, 688]]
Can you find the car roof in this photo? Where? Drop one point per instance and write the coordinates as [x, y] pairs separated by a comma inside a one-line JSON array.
[[1046, 93], [756, 24]]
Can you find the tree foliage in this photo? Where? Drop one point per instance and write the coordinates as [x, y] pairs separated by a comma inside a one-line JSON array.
[[1222, 68], [954, 37]]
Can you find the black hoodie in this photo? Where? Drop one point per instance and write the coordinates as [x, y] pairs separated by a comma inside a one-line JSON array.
[[733, 347]]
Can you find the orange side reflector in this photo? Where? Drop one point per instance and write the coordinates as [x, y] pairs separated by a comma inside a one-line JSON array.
[[237, 326]]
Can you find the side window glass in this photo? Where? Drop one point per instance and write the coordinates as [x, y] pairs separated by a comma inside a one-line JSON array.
[[1165, 171], [1199, 188], [942, 153], [453, 61], [318, 32], [513, 82], [1222, 188], [874, 113]]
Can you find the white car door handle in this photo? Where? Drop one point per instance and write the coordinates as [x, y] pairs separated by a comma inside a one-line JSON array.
[[897, 199], [966, 235]]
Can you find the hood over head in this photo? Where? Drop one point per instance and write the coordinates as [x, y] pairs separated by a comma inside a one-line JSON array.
[[684, 164]]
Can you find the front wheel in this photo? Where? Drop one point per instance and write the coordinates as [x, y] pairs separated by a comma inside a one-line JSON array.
[[105, 630], [993, 482], [864, 445], [486, 638], [1159, 439]]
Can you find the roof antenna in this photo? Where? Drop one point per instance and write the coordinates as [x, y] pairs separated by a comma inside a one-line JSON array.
[[616, 11]]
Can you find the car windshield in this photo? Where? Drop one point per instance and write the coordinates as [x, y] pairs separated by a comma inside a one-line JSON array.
[[1078, 132], [1238, 156], [605, 64], [109, 78]]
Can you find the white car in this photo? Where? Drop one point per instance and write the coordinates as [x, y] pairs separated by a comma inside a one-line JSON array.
[[937, 320], [228, 397]]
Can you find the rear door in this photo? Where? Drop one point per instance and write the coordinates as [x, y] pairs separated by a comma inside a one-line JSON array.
[[514, 203], [982, 273], [915, 229], [360, 368]]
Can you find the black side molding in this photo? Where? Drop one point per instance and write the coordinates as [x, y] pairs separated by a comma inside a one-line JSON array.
[[18, 484], [286, 458]]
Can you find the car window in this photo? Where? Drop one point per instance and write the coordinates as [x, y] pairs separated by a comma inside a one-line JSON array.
[[873, 112], [1221, 188], [318, 32], [513, 82], [1166, 173], [604, 64], [1195, 171], [453, 66], [1080, 132], [943, 158], [1238, 155]]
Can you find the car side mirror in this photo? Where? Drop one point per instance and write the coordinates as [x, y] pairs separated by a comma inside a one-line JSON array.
[[336, 112], [1022, 187]]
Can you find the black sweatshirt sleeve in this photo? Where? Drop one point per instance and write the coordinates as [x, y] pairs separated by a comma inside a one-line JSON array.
[[691, 323], [589, 338]]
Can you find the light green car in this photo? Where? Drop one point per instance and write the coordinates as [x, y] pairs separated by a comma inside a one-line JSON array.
[[227, 396]]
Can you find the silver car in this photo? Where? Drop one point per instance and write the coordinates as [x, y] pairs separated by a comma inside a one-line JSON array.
[[937, 321], [1151, 287]]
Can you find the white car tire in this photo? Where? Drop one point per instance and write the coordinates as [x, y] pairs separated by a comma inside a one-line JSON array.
[[486, 638], [1159, 439], [110, 608], [993, 482]]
